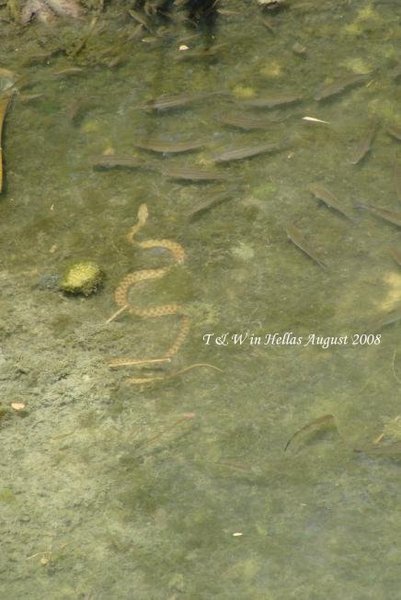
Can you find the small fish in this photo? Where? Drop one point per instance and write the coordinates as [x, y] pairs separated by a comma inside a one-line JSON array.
[[25, 98], [67, 72], [364, 145], [329, 199], [160, 146], [316, 426], [248, 152], [124, 162], [141, 19], [227, 12], [193, 174], [167, 102], [272, 101], [297, 238], [269, 25], [391, 216], [339, 86], [204, 207]]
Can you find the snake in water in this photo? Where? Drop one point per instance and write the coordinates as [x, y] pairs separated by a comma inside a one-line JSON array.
[[122, 295]]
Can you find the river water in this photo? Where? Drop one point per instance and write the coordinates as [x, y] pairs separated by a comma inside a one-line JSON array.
[[180, 486]]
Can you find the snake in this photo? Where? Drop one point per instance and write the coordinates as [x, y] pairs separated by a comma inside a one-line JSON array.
[[122, 294]]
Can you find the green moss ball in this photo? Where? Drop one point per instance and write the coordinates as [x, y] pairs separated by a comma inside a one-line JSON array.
[[83, 277]]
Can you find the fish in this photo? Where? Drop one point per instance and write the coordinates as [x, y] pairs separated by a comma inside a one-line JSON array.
[[248, 151], [316, 426], [171, 102], [227, 12], [193, 174], [163, 147], [204, 207], [141, 19], [25, 98], [364, 145], [298, 239], [269, 25], [272, 101], [329, 199], [125, 162], [68, 72], [328, 90], [391, 216]]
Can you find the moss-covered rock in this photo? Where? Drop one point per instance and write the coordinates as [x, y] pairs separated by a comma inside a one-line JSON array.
[[83, 277]]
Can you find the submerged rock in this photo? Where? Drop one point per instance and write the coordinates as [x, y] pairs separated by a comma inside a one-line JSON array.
[[271, 5], [36, 10], [47, 11], [65, 8]]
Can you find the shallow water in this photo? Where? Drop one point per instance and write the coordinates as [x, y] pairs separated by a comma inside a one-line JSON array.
[[181, 488]]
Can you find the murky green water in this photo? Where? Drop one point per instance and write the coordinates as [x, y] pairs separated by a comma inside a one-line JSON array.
[[181, 488]]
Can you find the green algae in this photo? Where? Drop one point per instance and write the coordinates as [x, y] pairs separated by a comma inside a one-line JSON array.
[[82, 277]]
